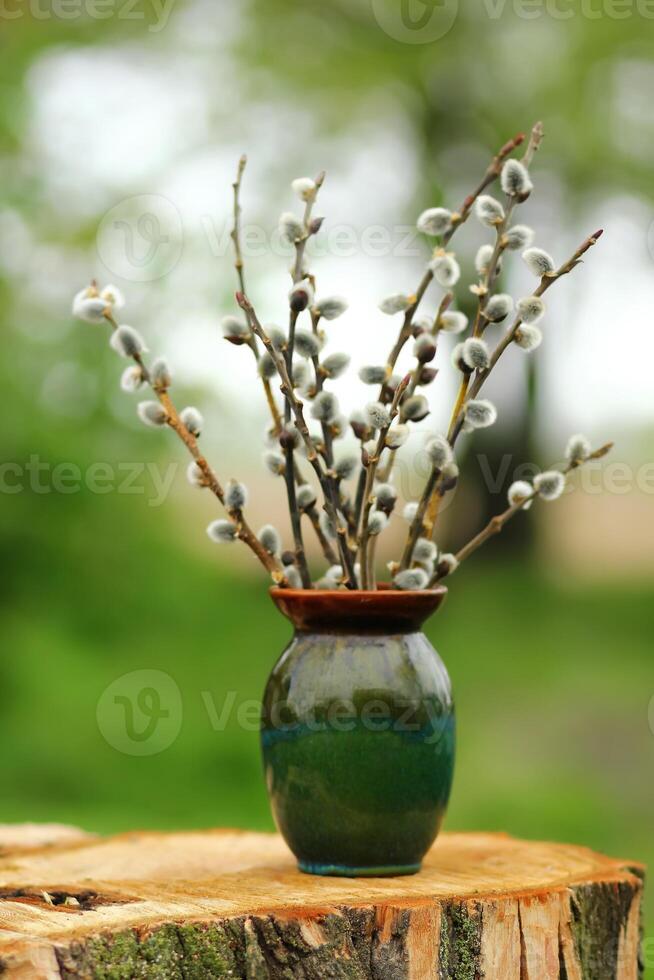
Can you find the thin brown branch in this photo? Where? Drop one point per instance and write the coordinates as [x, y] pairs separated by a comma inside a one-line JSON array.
[[235, 236], [244, 531], [497, 522]]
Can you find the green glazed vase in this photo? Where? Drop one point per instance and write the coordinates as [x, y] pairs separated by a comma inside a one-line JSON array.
[[358, 731]]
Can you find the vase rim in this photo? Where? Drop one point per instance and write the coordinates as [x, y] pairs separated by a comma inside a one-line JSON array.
[[349, 610]]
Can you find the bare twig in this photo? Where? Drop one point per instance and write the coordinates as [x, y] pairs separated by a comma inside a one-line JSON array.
[[235, 235]]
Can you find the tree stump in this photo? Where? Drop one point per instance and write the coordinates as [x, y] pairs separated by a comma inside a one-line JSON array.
[[224, 903]]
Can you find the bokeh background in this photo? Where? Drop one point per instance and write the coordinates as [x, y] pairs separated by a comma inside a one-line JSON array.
[[121, 125]]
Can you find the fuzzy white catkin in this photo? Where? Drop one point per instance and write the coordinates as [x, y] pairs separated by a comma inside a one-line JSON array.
[[327, 525], [290, 227], [453, 321], [480, 413], [325, 406], [231, 326], [578, 449], [194, 474], [515, 179], [538, 261], [410, 510], [266, 366], [131, 378], [482, 258], [161, 374], [397, 436], [397, 303], [306, 496], [424, 348], [450, 474], [456, 357], [377, 522], [331, 307], [306, 343], [439, 451], [424, 550], [293, 577], [385, 494], [127, 341], [222, 531], [528, 337], [236, 495], [518, 491], [334, 365], [530, 309], [345, 466], [550, 484], [519, 236], [434, 221], [446, 269], [377, 415], [475, 353], [276, 336], [192, 419], [422, 323], [305, 188], [488, 210], [270, 539], [299, 374], [113, 296], [411, 579], [447, 563], [415, 408], [274, 461], [90, 307], [301, 296], [498, 307], [373, 374], [152, 413]]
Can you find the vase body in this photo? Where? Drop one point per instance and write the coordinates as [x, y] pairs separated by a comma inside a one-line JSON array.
[[358, 732]]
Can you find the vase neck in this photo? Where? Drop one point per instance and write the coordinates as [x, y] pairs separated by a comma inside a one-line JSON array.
[[355, 611]]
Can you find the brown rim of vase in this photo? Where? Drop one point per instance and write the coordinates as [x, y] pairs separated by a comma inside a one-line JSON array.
[[349, 610]]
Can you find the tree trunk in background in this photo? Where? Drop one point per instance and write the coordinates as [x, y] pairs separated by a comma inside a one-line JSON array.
[[231, 904]]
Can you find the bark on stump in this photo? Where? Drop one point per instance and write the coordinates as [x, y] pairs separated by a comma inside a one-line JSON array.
[[231, 904]]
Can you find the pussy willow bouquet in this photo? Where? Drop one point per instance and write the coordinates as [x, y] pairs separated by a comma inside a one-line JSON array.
[[347, 498]]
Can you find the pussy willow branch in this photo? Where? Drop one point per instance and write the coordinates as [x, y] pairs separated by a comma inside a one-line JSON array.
[[487, 282], [545, 283], [458, 218], [371, 465], [243, 530], [480, 377], [235, 235], [290, 475], [301, 425], [497, 522]]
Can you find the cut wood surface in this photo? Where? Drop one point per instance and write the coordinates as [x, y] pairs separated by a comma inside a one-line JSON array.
[[223, 903]]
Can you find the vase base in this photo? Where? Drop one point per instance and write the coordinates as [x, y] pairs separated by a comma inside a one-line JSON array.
[[348, 871]]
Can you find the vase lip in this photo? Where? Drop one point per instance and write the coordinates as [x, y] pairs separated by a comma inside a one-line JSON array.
[[351, 610]]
